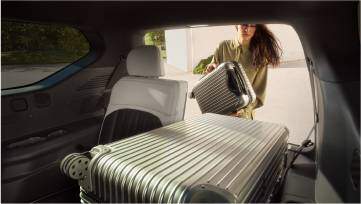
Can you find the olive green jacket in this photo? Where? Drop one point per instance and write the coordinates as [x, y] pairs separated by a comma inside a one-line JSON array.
[[232, 50]]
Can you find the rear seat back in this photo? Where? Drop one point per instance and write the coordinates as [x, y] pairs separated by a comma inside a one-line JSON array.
[[141, 101]]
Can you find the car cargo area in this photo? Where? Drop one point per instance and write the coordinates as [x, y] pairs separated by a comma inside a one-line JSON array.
[[99, 121]]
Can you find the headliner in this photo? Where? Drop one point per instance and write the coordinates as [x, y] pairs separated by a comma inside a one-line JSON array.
[[164, 14], [318, 24]]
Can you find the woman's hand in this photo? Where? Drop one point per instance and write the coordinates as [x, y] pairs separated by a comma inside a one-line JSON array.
[[234, 114], [210, 68]]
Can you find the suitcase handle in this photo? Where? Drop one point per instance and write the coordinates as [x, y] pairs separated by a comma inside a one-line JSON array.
[[191, 95], [233, 84], [244, 81]]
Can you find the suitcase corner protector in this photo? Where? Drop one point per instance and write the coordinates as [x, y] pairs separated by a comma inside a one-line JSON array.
[[209, 194]]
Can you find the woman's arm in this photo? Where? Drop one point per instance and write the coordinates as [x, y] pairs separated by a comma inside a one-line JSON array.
[[259, 85], [217, 58]]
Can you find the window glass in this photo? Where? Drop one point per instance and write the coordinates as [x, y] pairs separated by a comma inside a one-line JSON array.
[[31, 52]]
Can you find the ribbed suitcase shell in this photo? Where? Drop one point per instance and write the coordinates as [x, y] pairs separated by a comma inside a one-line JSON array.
[[211, 158], [215, 95]]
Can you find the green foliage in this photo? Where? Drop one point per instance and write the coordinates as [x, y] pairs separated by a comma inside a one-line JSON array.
[[201, 66], [156, 38], [29, 43]]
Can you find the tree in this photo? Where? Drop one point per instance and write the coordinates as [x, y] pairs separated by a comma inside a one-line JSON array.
[[155, 38]]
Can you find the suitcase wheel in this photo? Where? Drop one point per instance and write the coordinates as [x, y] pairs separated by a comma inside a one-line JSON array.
[[75, 166]]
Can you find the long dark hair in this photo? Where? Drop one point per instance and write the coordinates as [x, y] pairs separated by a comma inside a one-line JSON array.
[[264, 47]]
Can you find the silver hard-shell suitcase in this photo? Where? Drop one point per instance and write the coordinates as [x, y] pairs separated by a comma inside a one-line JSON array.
[[211, 158], [226, 89]]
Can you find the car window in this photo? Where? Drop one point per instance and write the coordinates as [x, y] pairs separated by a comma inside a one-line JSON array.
[[31, 52], [288, 97]]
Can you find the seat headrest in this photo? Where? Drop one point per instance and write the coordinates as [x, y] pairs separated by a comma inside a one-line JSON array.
[[145, 61]]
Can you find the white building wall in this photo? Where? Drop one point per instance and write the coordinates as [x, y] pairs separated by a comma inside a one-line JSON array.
[[176, 43], [289, 40], [204, 40]]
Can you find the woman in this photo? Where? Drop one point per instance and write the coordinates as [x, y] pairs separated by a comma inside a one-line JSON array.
[[255, 47]]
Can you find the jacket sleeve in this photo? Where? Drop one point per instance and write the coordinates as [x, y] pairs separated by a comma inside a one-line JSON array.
[[259, 85], [217, 55]]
